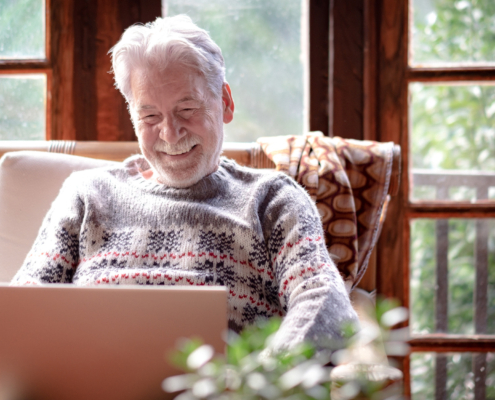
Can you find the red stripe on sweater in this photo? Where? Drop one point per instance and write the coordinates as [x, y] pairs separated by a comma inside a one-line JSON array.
[[289, 244]]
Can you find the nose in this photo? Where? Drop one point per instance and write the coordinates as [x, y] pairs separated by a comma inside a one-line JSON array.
[[171, 130]]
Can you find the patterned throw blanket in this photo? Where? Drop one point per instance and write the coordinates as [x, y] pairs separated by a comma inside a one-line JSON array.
[[349, 181]]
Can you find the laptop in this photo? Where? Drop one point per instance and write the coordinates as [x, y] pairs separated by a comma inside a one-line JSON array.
[[66, 342]]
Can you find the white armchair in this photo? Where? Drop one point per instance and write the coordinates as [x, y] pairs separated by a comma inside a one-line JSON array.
[[30, 181]]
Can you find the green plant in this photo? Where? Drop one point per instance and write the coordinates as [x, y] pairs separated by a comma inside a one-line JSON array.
[[251, 371]]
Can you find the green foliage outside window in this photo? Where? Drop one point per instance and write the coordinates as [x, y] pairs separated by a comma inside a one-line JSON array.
[[22, 31], [461, 276], [460, 377], [453, 31], [22, 97], [22, 107], [453, 128], [461, 286], [453, 124]]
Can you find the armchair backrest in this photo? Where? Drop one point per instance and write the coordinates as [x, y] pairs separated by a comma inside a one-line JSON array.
[[32, 173], [30, 181]]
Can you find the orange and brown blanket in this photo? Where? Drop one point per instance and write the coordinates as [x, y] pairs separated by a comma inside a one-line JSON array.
[[349, 180]]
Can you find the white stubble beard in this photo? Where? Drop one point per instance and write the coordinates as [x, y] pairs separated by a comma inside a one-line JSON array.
[[174, 174]]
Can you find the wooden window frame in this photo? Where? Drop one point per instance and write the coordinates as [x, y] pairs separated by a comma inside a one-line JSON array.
[[358, 88], [387, 33], [81, 102], [36, 66]]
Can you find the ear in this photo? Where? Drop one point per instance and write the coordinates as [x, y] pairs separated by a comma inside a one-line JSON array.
[[228, 103]]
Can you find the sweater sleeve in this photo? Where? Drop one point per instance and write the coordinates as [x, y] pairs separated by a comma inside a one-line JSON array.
[[54, 255], [311, 290]]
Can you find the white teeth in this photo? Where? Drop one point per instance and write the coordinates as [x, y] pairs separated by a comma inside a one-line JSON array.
[[185, 145], [175, 153]]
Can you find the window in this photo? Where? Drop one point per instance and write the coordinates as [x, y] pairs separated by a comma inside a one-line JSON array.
[[68, 80], [54, 64], [262, 47], [24, 70], [435, 92]]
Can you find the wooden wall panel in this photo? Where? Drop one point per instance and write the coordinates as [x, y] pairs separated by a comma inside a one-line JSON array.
[[85, 105], [112, 118], [131, 12], [346, 82], [391, 126], [370, 56], [319, 12], [62, 61], [84, 85]]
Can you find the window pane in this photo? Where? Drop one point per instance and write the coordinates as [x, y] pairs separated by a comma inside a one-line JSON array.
[[453, 141], [465, 374], [22, 29], [261, 44], [22, 107], [465, 248], [453, 32]]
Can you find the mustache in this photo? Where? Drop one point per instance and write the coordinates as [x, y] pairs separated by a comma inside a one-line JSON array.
[[182, 146]]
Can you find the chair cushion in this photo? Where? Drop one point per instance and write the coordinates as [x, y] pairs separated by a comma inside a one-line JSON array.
[[29, 182]]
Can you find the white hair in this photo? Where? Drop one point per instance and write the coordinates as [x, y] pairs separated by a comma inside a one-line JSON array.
[[167, 40]]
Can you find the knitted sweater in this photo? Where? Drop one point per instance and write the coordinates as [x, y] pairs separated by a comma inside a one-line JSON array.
[[256, 233]]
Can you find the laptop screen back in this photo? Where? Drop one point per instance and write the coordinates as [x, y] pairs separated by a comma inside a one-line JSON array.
[[66, 342]]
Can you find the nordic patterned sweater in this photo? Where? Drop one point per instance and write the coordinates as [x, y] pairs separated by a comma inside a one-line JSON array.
[[257, 233]]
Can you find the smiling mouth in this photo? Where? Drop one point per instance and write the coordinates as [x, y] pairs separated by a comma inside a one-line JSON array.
[[179, 152]]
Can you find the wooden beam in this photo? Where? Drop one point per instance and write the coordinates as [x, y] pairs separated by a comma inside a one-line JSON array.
[[112, 119], [453, 343], [128, 12], [134, 11], [319, 11], [440, 377], [432, 209], [84, 85], [479, 376], [442, 276], [451, 74], [346, 82], [392, 272], [370, 70], [12, 66], [61, 14], [481, 255]]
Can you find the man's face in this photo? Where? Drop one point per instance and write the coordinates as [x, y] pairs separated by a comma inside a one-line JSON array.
[[179, 123]]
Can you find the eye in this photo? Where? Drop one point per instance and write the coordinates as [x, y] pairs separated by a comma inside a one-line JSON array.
[[186, 112], [152, 115], [150, 119]]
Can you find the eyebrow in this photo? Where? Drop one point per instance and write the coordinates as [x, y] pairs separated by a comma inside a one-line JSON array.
[[187, 98], [145, 107], [183, 100]]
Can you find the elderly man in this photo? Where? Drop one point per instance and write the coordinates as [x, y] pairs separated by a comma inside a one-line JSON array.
[[179, 214]]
